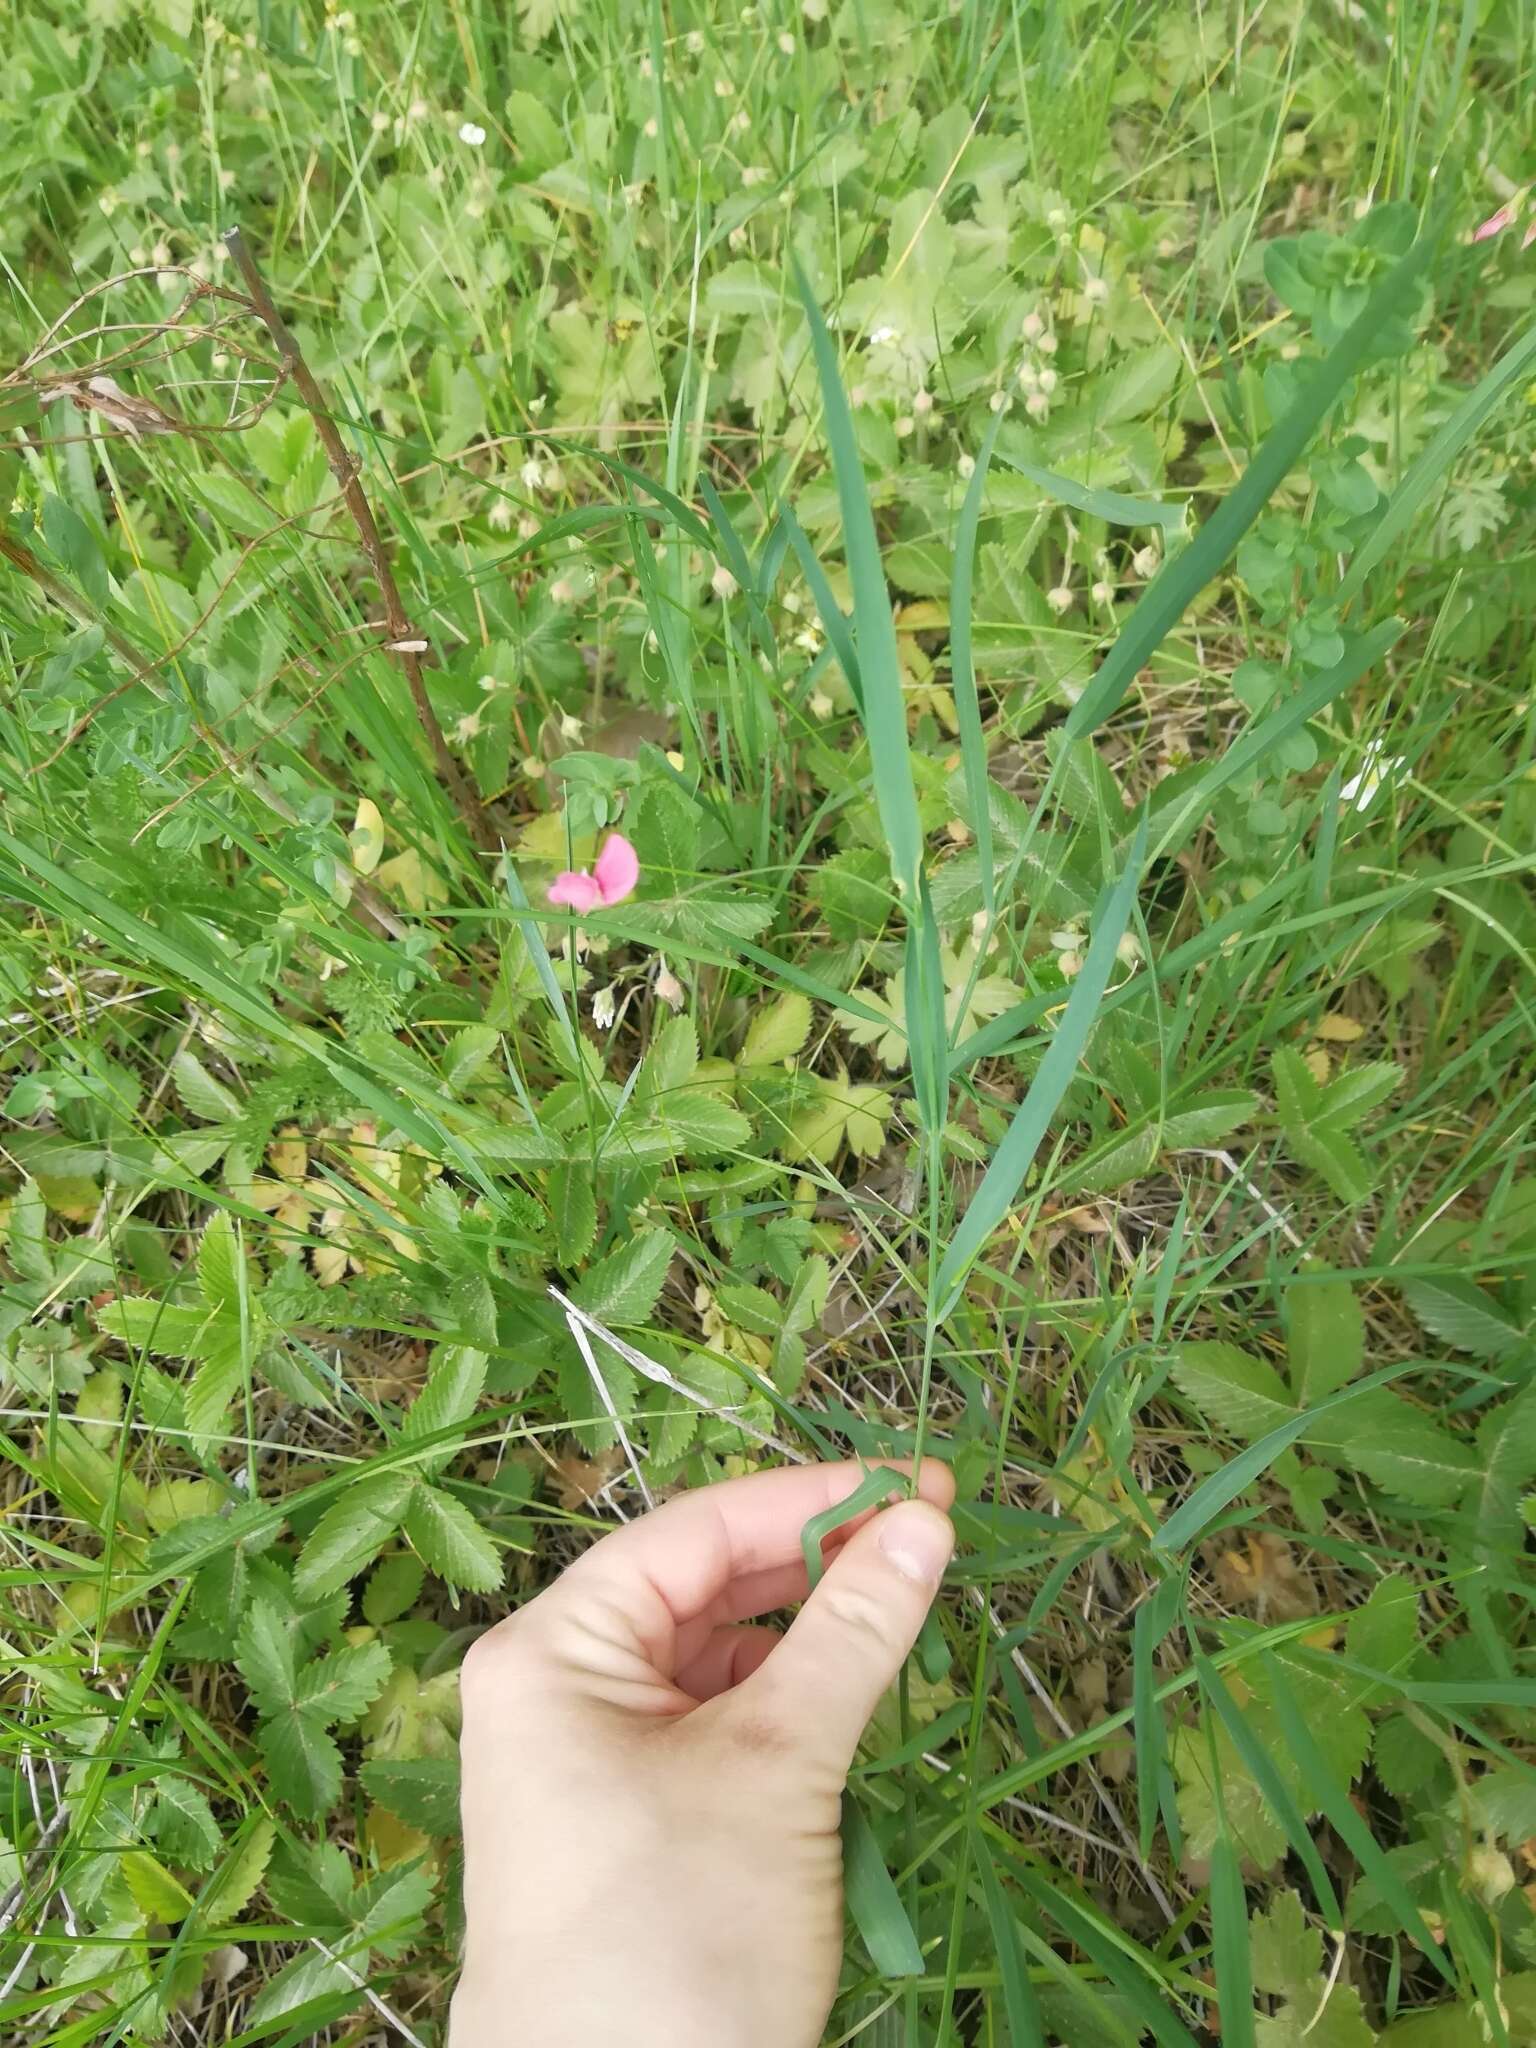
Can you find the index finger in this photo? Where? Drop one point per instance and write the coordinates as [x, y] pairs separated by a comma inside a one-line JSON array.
[[673, 1564]]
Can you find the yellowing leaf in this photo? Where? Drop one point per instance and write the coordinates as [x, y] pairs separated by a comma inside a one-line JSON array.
[[157, 1894], [366, 838], [410, 878], [1340, 1030]]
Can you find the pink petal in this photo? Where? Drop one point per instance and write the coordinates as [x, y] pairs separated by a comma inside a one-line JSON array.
[[577, 892], [617, 869], [1495, 224]]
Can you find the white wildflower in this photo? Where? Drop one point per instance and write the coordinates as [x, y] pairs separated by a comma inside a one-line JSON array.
[[668, 988], [472, 133], [922, 403], [1145, 561], [967, 467], [1038, 406], [722, 582], [1096, 291], [604, 1009], [1060, 599]]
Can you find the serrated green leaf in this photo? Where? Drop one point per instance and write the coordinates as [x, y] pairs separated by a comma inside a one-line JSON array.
[[451, 1542], [1239, 1393], [1350, 1095], [162, 1327], [1399, 1447], [219, 1262], [238, 1878], [671, 1062], [303, 1763], [1326, 1338], [622, 1288], [26, 1240], [351, 1533], [1384, 1634], [777, 1032], [393, 1588], [158, 1895], [1465, 1317], [421, 1791], [453, 1386], [202, 1094], [1287, 1951], [185, 1828], [264, 1656], [338, 1686]]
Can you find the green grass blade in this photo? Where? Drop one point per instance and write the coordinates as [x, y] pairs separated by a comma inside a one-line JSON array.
[[962, 664], [1435, 459], [1229, 1944], [1250, 747], [874, 629], [1213, 1494], [834, 621], [1114, 507], [1185, 574], [874, 1903], [1333, 1800], [1020, 2005], [1014, 1156], [873, 1488], [1272, 1785]]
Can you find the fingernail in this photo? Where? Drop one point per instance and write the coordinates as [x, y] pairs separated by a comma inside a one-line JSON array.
[[918, 1540]]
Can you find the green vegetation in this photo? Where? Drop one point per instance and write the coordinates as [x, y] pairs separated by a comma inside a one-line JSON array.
[[1022, 515]]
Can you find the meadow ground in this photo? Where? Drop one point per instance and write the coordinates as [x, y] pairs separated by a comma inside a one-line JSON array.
[[1022, 516]]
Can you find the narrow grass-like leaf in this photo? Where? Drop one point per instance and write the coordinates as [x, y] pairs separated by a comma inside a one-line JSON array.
[[1020, 2005], [1251, 747], [874, 629], [834, 620], [1272, 1785], [1112, 506], [1229, 1944], [1014, 1156], [1096, 1942], [1154, 1618], [874, 1904], [873, 1488], [1334, 1801], [1184, 575], [1213, 1494], [962, 665], [1434, 459]]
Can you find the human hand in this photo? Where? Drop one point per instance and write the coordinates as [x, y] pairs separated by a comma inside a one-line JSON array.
[[652, 1792]]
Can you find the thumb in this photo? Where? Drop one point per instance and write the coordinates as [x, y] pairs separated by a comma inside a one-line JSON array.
[[849, 1640]]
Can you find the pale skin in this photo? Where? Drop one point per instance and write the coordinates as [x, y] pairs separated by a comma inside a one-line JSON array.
[[652, 1786]]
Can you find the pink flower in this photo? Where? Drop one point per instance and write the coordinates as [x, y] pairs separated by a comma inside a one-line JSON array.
[[610, 879], [1495, 224]]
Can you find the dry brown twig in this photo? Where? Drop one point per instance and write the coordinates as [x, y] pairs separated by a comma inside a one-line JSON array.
[[405, 643]]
